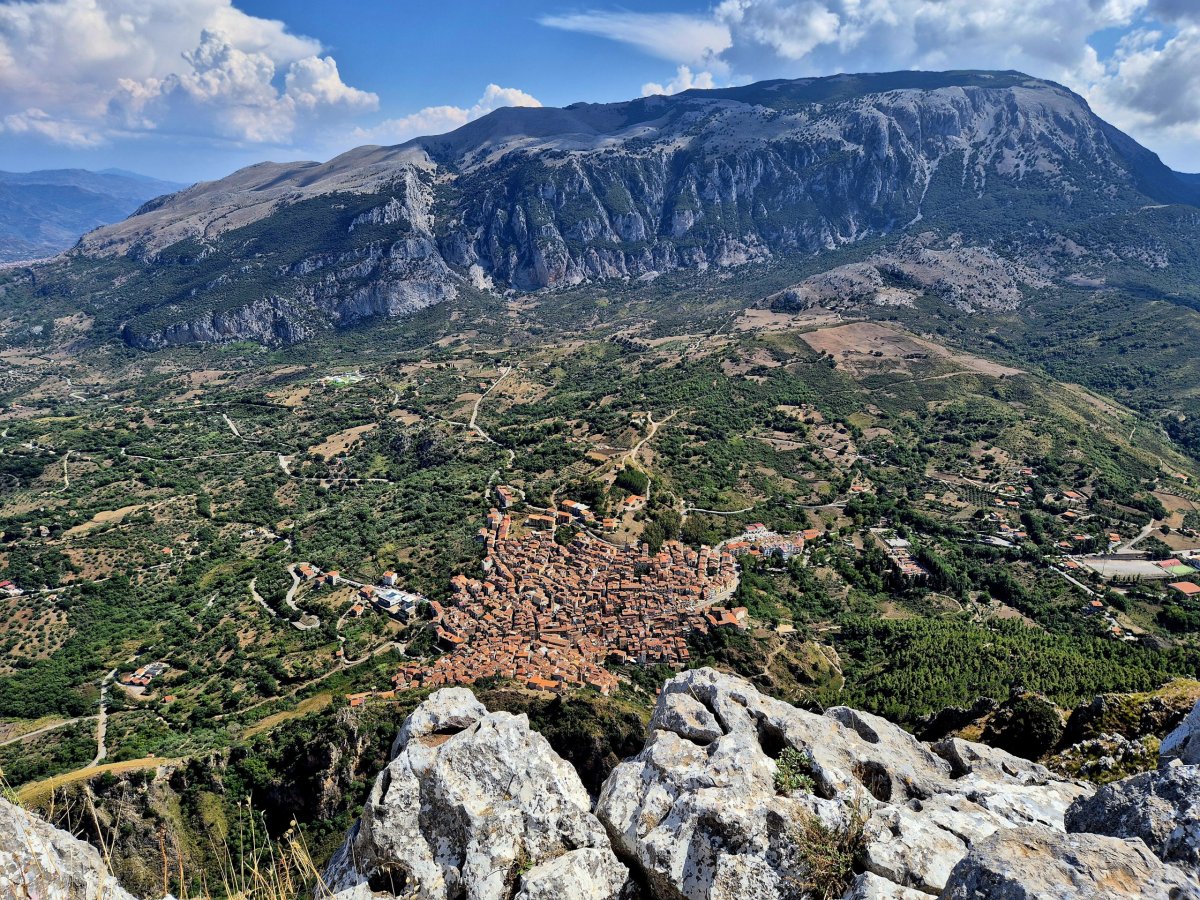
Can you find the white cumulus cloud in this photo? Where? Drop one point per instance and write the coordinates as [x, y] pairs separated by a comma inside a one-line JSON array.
[[685, 79], [79, 72], [439, 119]]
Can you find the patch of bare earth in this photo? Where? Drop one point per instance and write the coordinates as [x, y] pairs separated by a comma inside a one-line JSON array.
[[340, 443], [866, 347]]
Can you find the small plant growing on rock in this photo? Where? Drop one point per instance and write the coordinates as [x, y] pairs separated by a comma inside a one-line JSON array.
[[793, 771], [828, 854]]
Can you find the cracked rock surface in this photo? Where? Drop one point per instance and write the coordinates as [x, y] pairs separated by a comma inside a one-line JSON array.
[[734, 796], [474, 805]]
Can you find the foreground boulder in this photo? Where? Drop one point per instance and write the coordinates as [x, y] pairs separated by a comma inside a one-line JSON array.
[[1043, 864], [475, 805], [1162, 808], [737, 795], [734, 796], [1183, 744], [40, 862]]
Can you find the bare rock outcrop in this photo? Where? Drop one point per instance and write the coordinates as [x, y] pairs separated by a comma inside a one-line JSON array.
[[734, 796], [1183, 744], [1162, 808], [41, 862], [475, 805], [715, 807], [1043, 864]]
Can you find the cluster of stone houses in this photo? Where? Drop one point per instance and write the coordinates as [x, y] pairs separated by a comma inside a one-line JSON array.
[[551, 616], [758, 540]]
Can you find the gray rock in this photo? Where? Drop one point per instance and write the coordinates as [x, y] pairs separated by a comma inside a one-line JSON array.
[[1183, 743], [967, 758], [687, 717], [918, 844], [1039, 863], [869, 886], [40, 862], [699, 812], [447, 711], [1162, 808], [467, 814], [587, 874]]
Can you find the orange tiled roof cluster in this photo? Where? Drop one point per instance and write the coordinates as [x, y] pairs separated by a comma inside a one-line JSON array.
[[550, 615]]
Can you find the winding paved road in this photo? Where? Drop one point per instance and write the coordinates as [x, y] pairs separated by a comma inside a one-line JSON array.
[[45, 729]]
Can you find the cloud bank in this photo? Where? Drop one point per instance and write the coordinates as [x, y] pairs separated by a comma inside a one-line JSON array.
[[1148, 83], [438, 119]]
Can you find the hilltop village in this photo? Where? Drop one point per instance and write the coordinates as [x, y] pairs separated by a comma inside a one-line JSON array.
[[551, 615]]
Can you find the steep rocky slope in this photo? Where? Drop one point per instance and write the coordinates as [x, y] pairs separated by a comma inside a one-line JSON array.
[[535, 198], [734, 795]]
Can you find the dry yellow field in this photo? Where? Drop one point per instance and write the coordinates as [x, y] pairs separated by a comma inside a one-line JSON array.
[[35, 792], [313, 704]]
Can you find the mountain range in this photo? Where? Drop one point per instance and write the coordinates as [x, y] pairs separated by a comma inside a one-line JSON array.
[[531, 198], [43, 213]]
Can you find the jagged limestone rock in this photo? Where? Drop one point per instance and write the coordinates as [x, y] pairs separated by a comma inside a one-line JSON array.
[[917, 844], [1183, 743], [1039, 863], [687, 717], [869, 886], [585, 874], [703, 816], [967, 758], [1162, 808], [475, 805], [40, 862], [447, 711]]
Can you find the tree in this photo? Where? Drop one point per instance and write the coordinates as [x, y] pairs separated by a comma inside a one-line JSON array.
[[1027, 726]]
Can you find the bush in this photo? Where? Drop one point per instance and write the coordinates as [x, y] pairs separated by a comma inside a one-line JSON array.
[[793, 772], [827, 855], [1027, 726]]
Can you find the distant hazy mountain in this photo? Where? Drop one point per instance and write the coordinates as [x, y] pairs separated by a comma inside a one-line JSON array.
[[44, 213], [532, 198]]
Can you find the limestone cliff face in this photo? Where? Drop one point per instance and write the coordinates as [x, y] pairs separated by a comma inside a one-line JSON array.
[[734, 796], [541, 198]]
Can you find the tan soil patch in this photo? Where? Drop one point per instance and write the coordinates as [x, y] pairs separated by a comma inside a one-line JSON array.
[[1179, 541], [303, 708], [856, 344], [773, 320], [106, 517], [1176, 508], [294, 397], [342, 441]]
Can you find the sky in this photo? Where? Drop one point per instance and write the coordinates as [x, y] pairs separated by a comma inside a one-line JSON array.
[[193, 89]]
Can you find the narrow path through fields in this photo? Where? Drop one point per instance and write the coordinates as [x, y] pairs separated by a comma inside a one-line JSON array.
[[102, 718]]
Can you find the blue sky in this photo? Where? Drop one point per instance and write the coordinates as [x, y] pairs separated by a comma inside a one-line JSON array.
[[192, 89]]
